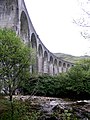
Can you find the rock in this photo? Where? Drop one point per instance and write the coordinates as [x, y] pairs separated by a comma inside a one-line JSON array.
[[81, 103], [78, 112], [52, 118], [48, 106], [54, 103]]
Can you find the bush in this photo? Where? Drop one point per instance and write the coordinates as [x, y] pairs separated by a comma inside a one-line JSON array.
[[53, 86], [74, 84], [21, 111]]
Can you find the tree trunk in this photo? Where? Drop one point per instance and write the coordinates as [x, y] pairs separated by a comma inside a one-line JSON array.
[[10, 93], [11, 100]]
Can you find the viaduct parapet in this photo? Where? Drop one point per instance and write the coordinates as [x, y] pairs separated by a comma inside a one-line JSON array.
[[14, 15]]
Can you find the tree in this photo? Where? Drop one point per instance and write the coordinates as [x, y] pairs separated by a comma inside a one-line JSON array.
[[84, 20], [78, 82], [14, 61]]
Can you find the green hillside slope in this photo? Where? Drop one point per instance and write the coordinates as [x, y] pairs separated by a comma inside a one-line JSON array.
[[71, 58]]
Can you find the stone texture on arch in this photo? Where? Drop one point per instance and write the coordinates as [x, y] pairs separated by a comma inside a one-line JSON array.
[[9, 14], [24, 28]]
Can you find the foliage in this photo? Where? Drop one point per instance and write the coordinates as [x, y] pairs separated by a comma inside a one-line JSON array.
[[65, 115], [14, 61], [46, 85], [84, 18], [74, 84], [78, 83], [21, 111]]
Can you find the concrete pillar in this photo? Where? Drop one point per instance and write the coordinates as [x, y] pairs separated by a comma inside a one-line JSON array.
[[40, 66], [40, 59], [55, 67], [51, 68], [60, 67], [45, 67], [45, 63]]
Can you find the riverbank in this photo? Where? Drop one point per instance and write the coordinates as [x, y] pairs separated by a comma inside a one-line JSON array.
[[58, 107]]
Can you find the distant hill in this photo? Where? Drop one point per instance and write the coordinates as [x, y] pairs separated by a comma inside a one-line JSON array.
[[71, 58]]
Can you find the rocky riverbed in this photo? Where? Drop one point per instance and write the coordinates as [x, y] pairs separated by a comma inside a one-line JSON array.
[[58, 109]]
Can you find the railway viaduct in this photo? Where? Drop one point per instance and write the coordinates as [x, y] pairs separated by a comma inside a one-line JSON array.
[[14, 15]]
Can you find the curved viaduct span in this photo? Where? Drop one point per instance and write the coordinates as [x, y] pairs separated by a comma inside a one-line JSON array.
[[14, 15]]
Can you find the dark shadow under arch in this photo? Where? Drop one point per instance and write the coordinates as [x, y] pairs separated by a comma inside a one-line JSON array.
[[40, 50], [33, 41], [45, 56], [24, 27]]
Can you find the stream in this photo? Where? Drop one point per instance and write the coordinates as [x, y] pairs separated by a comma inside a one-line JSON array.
[[59, 109]]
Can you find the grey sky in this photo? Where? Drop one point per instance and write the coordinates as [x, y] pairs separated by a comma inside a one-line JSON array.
[[53, 22]]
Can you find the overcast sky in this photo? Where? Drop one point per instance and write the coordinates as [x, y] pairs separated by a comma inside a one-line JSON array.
[[53, 22]]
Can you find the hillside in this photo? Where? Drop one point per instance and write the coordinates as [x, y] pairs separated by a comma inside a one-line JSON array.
[[71, 58]]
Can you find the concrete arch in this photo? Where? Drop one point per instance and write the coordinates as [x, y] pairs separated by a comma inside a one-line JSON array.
[[45, 67], [40, 50], [64, 67], [60, 66], [55, 70], [72, 65], [40, 59], [60, 63], [51, 60], [24, 28], [55, 62], [34, 53], [14, 15], [45, 55], [33, 41], [68, 66]]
